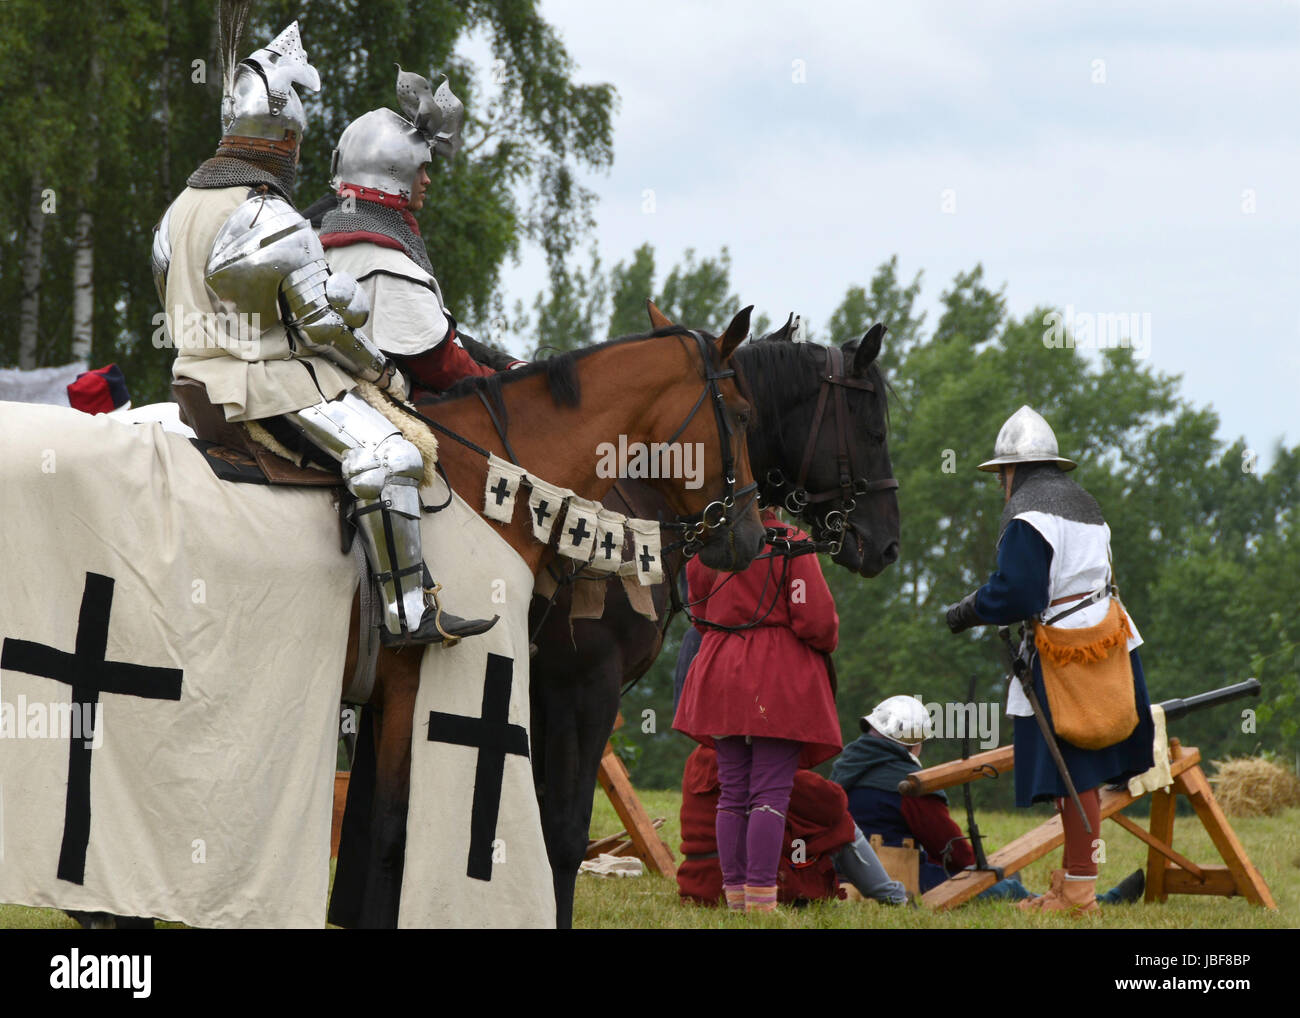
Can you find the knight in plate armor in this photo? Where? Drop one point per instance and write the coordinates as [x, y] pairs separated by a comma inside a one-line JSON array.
[[1054, 574], [274, 336], [379, 178]]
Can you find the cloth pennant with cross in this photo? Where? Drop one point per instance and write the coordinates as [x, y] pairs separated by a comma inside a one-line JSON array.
[[500, 489]]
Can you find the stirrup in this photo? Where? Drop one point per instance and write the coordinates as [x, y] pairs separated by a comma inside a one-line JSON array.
[[437, 626]]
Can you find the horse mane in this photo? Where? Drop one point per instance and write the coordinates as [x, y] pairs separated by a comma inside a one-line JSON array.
[[561, 371], [785, 373]]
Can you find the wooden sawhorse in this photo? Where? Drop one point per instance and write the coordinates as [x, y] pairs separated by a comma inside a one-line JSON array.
[[1168, 872]]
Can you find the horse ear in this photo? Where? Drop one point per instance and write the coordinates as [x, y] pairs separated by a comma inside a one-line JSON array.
[[869, 349], [736, 332], [781, 335], [658, 320]]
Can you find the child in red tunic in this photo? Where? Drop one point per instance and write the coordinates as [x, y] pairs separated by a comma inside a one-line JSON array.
[[759, 692]]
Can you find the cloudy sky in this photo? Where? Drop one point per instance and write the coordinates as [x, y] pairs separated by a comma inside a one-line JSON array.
[[1134, 157]]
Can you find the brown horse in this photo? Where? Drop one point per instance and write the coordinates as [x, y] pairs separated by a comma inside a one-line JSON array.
[[578, 673], [552, 416]]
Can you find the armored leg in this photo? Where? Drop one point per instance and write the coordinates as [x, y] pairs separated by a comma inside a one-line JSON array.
[[382, 469]]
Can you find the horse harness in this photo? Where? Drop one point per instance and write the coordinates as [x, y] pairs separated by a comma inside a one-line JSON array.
[[692, 527]]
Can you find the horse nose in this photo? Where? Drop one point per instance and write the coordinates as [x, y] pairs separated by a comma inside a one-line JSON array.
[[890, 554]]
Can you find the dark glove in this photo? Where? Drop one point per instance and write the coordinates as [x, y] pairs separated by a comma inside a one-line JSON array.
[[962, 615]]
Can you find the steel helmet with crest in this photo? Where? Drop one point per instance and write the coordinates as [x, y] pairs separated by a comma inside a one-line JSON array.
[[259, 100], [262, 116], [379, 155]]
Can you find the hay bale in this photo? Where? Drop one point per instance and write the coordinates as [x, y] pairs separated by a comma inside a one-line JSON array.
[[1253, 786]]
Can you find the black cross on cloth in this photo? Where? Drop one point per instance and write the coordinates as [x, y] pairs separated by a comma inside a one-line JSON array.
[[542, 512], [493, 737], [608, 544], [579, 532], [89, 675], [646, 558], [500, 490]]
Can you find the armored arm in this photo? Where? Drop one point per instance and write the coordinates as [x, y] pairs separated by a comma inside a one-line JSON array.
[[267, 260]]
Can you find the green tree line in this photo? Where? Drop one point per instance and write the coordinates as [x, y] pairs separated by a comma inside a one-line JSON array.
[[1205, 540], [105, 116]]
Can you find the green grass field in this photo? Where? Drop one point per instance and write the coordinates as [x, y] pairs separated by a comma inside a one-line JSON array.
[[1273, 844], [651, 902]]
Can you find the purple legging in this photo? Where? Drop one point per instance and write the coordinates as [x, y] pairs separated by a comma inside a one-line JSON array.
[[756, 781]]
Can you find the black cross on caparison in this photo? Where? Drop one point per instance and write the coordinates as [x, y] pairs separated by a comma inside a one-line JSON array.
[[580, 532], [542, 512], [494, 737], [89, 675], [500, 490]]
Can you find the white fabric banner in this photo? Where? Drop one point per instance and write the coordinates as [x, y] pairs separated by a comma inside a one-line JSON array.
[[577, 538], [545, 503], [500, 489], [475, 854], [203, 625], [609, 541], [645, 551]]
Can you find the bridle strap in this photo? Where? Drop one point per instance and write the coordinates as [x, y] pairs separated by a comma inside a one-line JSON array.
[[799, 499]]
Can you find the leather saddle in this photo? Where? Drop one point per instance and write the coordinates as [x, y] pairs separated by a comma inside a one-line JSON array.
[[231, 450]]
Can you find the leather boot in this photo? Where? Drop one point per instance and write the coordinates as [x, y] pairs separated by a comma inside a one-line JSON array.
[[1053, 894], [1078, 897]]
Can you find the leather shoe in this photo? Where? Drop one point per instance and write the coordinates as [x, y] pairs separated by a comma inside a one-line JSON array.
[[437, 626]]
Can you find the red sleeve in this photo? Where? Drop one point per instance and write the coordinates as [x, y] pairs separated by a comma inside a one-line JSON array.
[[928, 819], [440, 368], [812, 608]]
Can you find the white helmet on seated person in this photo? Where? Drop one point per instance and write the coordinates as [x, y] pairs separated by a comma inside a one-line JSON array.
[[901, 719]]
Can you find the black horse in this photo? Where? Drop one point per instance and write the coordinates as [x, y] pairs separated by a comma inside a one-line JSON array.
[[818, 447]]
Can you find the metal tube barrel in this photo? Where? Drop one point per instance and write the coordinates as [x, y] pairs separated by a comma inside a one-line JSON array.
[[1177, 708]]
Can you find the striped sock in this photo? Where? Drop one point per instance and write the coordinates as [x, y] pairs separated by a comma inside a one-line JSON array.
[[736, 897], [760, 899]]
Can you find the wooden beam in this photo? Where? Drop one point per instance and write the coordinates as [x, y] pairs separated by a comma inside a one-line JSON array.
[[340, 800], [594, 848], [958, 772], [1215, 880], [1163, 809], [650, 847], [1250, 884], [1012, 858], [1157, 845]]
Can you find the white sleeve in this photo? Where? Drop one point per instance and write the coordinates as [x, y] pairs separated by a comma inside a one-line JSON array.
[[406, 317]]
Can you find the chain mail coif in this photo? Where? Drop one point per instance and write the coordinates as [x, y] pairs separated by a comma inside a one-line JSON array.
[[233, 167], [372, 217], [1042, 487]]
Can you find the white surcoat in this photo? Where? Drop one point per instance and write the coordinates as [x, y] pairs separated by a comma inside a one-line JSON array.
[[407, 315], [1080, 563], [252, 374]]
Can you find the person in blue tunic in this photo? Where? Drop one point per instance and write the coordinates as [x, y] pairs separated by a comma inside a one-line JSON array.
[[1054, 570]]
